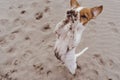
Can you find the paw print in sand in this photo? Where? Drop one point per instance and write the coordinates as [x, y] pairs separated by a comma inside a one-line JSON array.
[[38, 15]]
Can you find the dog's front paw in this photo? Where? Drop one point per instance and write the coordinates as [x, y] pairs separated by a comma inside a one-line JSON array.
[[72, 15]]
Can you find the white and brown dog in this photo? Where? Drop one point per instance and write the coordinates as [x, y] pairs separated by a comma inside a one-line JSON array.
[[69, 32]]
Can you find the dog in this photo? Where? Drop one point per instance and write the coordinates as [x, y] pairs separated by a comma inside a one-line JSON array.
[[69, 31]]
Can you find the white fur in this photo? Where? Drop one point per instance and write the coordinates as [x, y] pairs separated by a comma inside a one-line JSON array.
[[69, 38], [79, 9]]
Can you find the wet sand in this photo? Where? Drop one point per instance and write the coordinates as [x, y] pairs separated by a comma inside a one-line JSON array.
[[27, 41]]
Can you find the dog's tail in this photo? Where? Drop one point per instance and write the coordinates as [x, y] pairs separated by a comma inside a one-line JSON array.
[[80, 53]]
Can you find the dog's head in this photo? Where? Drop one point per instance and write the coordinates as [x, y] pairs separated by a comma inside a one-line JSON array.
[[85, 14]]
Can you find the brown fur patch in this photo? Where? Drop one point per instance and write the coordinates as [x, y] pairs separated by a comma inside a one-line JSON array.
[[85, 15], [74, 3]]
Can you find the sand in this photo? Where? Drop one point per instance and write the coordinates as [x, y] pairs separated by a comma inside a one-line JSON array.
[[27, 41]]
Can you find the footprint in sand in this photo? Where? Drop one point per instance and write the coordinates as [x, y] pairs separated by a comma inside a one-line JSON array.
[[3, 41], [38, 15], [50, 46], [47, 1], [11, 36], [16, 20], [79, 70], [19, 21], [111, 62], [4, 21], [111, 23], [109, 79], [16, 62], [92, 22], [89, 74], [35, 4], [27, 38], [38, 68], [47, 9], [116, 77], [96, 55], [11, 50], [115, 30], [99, 59], [46, 27], [20, 6], [16, 31], [23, 12], [7, 75], [27, 54], [96, 72], [11, 7], [13, 71], [49, 72]]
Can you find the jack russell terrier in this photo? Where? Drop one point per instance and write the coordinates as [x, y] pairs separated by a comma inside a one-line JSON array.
[[69, 32]]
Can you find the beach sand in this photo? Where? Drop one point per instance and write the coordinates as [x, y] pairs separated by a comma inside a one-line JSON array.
[[27, 41]]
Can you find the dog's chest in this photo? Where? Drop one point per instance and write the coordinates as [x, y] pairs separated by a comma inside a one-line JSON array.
[[73, 34], [78, 33], [68, 39]]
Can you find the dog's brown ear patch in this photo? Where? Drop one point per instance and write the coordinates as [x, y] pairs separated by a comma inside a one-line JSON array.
[[74, 3], [85, 15], [96, 11]]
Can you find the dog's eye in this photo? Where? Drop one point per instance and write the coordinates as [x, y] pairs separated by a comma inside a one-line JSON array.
[[83, 16]]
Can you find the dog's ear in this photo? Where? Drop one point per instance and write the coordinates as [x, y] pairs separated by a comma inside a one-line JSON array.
[[74, 3], [96, 11]]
